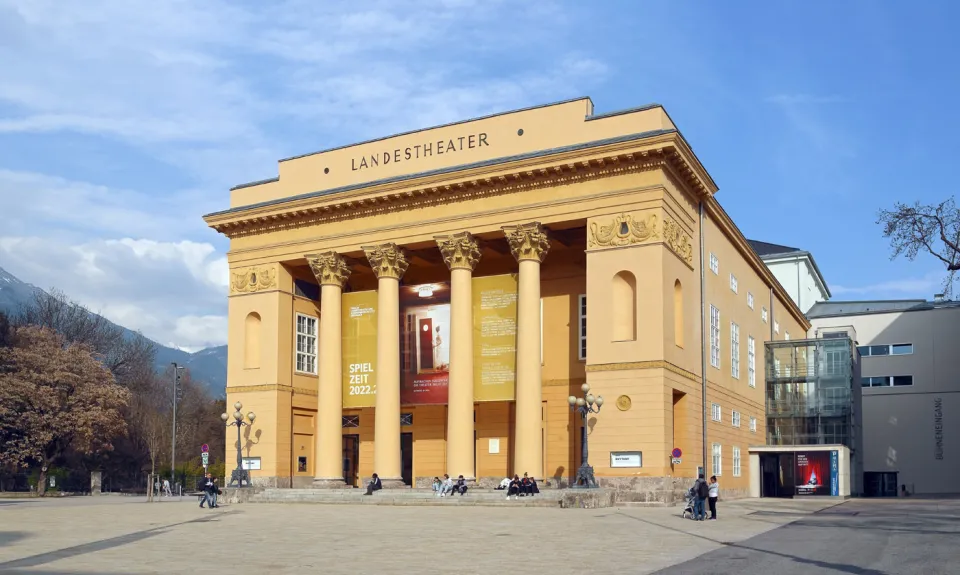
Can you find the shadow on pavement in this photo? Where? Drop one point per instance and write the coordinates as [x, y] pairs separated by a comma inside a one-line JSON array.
[[11, 537]]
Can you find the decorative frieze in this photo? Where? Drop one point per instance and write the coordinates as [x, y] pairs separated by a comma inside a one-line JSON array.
[[527, 241], [329, 268], [623, 230], [252, 280], [678, 241], [460, 250], [387, 260]]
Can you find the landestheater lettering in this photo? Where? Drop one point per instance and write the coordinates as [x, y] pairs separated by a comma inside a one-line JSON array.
[[425, 150]]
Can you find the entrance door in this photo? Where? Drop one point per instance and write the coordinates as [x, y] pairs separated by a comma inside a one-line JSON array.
[[426, 344], [776, 475], [406, 458], [879, 484], [351, 460]]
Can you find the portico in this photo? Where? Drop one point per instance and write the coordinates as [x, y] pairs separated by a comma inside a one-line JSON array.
[[428, 314]]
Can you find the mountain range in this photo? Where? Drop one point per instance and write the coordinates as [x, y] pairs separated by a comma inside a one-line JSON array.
[[207, 366]]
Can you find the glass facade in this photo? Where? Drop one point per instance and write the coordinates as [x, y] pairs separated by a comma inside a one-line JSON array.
[[812, 392]]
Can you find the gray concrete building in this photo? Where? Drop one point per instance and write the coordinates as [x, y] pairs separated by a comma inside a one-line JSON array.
[[910, 377]]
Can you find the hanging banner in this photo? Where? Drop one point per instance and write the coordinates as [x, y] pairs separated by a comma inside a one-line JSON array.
[[424, 344], [359, 339], [495, 338]]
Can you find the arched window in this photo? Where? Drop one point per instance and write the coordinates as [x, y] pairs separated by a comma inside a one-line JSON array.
[[678, 313], [251, 341], [624, 321]]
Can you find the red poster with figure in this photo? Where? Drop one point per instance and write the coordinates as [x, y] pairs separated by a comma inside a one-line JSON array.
[[424, 344], [813, 473]]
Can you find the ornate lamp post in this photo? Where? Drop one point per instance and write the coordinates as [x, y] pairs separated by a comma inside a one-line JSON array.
[[585, 405], [240, 475]]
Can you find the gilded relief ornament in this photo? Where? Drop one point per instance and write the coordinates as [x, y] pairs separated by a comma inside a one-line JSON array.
[[527, 241], [329, 268], [624, 403], [460, 251], [387, 260], [678, 240], [253, 280], [623, 230]]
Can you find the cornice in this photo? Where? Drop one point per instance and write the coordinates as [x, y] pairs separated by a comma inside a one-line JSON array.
[[730, 229], [664, 151]]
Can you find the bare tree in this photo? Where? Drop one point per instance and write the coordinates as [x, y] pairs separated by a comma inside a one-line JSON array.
[[933, 228], [6, 335], [149, 421], [55, 397]]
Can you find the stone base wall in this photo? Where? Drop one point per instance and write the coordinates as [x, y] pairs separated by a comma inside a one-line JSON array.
[[238, 495], [270, 482], [300, 482], [662, 490]]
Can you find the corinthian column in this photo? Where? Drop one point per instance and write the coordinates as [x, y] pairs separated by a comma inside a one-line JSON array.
[[461, 255], [389, 262], [332, 273], [529, 244]]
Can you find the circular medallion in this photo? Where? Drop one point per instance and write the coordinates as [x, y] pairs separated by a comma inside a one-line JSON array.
[[623, 403]]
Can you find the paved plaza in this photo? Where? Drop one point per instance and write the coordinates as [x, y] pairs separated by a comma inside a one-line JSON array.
[[126, 535]]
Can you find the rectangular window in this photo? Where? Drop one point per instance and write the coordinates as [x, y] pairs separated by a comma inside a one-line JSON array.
[[751, 361], [749, 300], [886, 381], [763, 314], [714, 263], [717, 413], [350, 421], [736, 462], [717, 459], [734, 286], [714, 337], [582, 330], [880, 350], [735, 350], [306, 344], [753, 424], [776, 327], [735, 420], [786, 335]]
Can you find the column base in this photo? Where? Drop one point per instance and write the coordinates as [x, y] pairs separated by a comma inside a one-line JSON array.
[[328, 483], [392, 483]]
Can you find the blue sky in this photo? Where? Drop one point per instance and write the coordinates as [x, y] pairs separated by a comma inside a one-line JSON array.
[[121, 123]]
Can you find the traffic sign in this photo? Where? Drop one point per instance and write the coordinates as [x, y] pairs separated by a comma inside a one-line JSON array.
[[204, 448], [676, 461], [206, 458], [676, 453]]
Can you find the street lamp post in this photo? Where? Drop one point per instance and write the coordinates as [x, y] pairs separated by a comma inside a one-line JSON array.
[[173, 442], [585, 406], [240, 475]]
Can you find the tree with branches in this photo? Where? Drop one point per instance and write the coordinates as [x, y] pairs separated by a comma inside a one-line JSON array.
[[55, 396], [930, 228]]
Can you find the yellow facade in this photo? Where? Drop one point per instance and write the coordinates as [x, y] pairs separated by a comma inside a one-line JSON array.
[[613, 210]]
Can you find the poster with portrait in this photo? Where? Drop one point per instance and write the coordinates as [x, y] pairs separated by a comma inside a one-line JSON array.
[[358, 322], [424, 343]]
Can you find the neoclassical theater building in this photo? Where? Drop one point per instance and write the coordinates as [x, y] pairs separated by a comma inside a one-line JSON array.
[[425, 303]]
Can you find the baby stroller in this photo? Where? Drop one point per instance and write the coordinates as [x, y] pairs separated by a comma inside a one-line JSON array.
[[688, 506]]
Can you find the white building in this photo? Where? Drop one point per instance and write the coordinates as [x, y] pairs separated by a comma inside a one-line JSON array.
[[796, 271], [910, 376]]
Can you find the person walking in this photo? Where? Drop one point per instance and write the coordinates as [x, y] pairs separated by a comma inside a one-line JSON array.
[[713, 494], [702, 491], [166, 488]]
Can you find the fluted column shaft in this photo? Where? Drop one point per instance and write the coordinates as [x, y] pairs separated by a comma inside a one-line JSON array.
[[389, 263], [529, 245], [461, 254], [332, 273]]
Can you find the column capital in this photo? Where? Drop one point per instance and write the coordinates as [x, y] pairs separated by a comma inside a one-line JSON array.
[[329, 268], [527, 241], [387, 260], [460, 250]]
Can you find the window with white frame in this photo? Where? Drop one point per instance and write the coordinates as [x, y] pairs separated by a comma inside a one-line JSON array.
[[736, 462], [751, 361], [735, 350], [735, 420], [749, 300], [714, 263], [734, 286], [786, 335], [306, 344], [753, 424], [717, 460], [717, 413], [714, 336], [582, 328], [763, 314], [776, 327]]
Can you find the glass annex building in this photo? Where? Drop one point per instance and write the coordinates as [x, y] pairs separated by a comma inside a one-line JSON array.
[[813, 418]]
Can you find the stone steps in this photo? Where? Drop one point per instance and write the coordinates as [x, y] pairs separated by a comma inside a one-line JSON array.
[[420, 497]]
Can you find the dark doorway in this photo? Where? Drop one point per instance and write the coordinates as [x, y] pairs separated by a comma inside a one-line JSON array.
[[777, 475], [426, 344], [880, 484], [351, 459], [406, 458]]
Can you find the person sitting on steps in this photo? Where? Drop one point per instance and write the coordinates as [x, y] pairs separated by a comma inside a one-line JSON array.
[[516, 486], [374, 485], [505, 484], [437, 485], [447, 487], [461, 486], [529, 486]]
